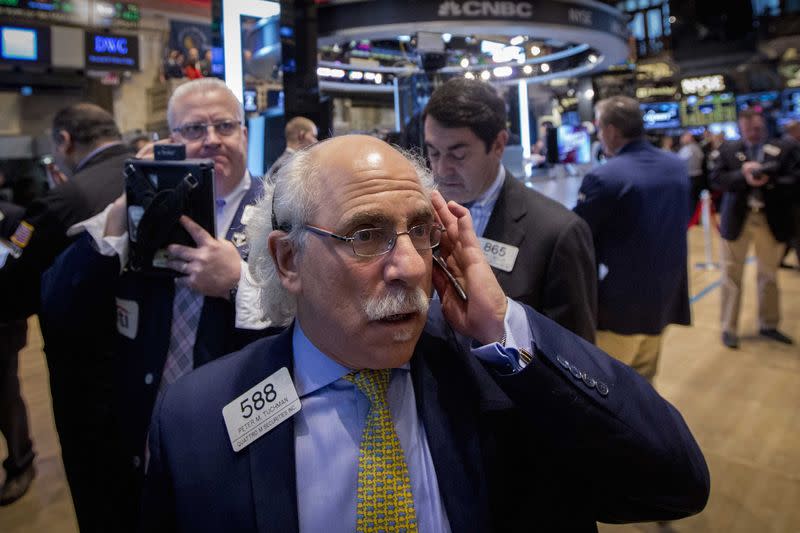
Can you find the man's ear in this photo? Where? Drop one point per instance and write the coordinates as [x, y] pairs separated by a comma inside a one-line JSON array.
[[64, 140], [286, 260], [499, 144]]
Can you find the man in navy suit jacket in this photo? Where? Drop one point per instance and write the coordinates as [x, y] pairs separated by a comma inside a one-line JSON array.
[[526, 426], [636, 207]]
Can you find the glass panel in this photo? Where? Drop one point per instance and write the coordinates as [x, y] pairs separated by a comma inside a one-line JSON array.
[[637, 26]]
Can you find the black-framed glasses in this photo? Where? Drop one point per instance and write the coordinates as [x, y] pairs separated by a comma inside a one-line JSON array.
[[198, 130], [371, 242]]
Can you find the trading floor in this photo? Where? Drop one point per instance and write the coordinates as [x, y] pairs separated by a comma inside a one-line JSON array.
[[743, 407]]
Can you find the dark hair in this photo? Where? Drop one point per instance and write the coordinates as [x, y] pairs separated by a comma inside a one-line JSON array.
[[86, 123], [624, 114], [465, 103]]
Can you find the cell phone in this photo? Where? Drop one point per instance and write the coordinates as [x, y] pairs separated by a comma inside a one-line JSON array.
[[158, 193], [456, 285]]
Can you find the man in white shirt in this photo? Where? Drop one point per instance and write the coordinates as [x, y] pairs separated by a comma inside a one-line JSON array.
[[166, 326]]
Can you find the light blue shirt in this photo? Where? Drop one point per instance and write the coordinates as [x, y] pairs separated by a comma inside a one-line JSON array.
[[329, 426], [481, 208]]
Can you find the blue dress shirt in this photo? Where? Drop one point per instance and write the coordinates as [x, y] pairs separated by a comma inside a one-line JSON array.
[[329, 426], [481, 209]]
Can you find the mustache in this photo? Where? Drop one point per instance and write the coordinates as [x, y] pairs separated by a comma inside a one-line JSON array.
[[397, 301]]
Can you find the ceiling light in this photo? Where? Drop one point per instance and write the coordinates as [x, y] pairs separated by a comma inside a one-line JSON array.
[[592, 58], [337, 73], [323, 71], [404, 38], [378, 78], [446, 37], [464, 63], [527, 69], [519, 39], [535, 50], [588, 94], [469, 75], [356, 75], [545, 67], [502, 72], [369, 76], [485, 76]]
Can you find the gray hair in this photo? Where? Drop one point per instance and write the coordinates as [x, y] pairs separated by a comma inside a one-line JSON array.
[[202, 85], [295, 197], [624, 114]]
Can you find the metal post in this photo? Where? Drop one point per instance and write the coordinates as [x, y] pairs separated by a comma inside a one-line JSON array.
[[705, 220]]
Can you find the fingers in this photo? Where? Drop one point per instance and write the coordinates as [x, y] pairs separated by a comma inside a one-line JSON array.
[[200, 235]]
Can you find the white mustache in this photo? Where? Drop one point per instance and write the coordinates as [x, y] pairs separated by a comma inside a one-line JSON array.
[[397, 301]]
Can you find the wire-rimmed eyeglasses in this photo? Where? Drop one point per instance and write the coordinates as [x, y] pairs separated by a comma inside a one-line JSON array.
[[371, 242], [198, 130]]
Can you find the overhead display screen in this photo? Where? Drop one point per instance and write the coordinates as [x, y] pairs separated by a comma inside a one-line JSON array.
[[25, 45], [107, 51], [661, 115], [762, 102], [710, 109]]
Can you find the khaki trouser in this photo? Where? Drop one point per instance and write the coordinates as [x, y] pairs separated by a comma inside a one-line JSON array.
[[768, 257], [640, 352]]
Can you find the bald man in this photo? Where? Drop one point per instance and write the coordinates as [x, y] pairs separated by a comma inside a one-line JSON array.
[[354, 419], [300, 132]]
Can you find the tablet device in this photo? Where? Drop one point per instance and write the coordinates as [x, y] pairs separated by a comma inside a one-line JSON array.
[[158, 193]]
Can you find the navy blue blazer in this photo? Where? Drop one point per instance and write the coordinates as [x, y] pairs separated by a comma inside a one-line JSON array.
[[635, 205], [573, 438]]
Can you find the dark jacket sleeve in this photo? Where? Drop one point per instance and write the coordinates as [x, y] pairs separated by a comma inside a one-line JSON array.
[[20, 277], [570, 296], [637, 458], [78, 287]]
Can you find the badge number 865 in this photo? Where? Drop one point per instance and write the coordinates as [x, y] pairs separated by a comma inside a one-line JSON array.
[[259, 400]]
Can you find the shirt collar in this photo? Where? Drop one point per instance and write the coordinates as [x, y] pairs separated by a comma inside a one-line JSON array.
[[243, 185], [313, 370], [94, 152], [490, 195]]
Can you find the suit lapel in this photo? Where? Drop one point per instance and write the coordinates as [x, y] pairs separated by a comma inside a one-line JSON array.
[[272, 459], [509, 208], [448, 408]]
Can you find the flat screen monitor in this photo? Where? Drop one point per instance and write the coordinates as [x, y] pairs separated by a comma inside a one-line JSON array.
[[729, 129], [25, 45], [574, 145], [709, 109], [109, 51], [763, 102], [661, 115]]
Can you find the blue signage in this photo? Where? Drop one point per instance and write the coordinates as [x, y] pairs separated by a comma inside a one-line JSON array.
[[106, 51]]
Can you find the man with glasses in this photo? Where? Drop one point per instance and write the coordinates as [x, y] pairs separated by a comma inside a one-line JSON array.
[[165, 327], [353, 419]]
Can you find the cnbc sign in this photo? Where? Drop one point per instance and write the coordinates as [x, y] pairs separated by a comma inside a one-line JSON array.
[[485, 9]]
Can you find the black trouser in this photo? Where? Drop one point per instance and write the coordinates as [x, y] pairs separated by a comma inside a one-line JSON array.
[[81, 384], [13, 415], [698, 183]]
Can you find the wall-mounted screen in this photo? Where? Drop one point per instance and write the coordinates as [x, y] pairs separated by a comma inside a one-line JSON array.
[[729, 129], [108, 51], [661, 115], [763, 102], [25, 45], [710, 109], [574, 145]]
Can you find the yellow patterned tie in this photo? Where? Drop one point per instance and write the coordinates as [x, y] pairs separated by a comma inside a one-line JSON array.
[[385, 502]]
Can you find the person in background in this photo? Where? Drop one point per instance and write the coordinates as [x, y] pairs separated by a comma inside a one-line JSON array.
[[791, 135], [155, 329], [636, 207], [541, 253], [300, 132], [691, 152], [18, 465], [757, 178]]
